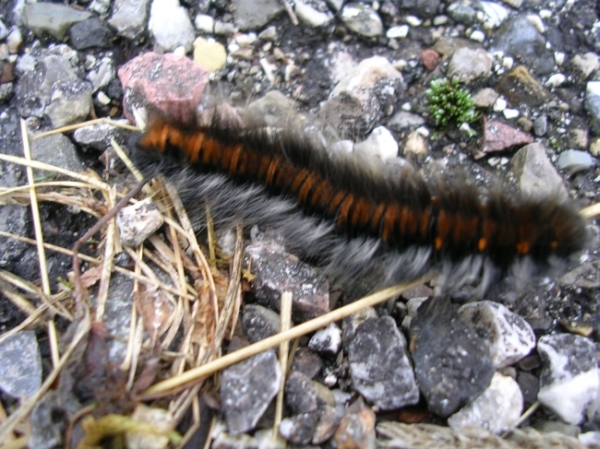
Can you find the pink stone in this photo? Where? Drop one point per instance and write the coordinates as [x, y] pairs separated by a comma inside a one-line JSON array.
[[166, 83], [499, 136], [430, 59]]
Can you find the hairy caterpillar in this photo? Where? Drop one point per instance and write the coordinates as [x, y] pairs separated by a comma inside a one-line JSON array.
[[350, 215]]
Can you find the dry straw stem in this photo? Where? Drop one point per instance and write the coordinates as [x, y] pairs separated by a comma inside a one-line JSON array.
[[310, 326], [590, 211], [37, 224], [68, 128], [286, 319]]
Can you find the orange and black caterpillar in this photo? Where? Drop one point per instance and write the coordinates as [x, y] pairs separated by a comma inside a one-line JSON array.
[[352, 215]]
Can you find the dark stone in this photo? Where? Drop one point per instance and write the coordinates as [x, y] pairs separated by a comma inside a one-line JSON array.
[[379, 365], [90, 33], [259, 322], [530, 385], [452, 364], [307, 362], [300, 393]]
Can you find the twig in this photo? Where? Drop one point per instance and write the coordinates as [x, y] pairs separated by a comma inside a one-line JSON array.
[[78, 291]]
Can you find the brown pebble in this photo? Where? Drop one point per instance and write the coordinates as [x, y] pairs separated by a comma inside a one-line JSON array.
[[430, 59]]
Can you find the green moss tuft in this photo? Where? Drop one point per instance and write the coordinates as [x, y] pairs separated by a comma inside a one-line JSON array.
[[449, 104]]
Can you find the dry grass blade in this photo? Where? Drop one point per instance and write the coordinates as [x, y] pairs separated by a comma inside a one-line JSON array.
[[270, 342], [591, 211], [68, 128], [35, 212], [286, 319]]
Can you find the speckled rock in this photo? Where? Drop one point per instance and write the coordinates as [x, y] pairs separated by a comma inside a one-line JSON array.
[[259, 322], [129, 17], [569, 378], [509, 337], [535, 174], [379, 365], [247, 389], [468, 65], [362, 19], [21, 367], [497, 409], [276, 272], [439, 337], [362, 96]]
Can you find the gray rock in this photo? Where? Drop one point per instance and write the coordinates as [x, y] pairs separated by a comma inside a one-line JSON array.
[[117, 316], [56, 150], [102, 75], [3, 30], [328, 340], [497, 409], [52, 18], [13, 219], [575, 161], [90, 33], [96, 136], [259, 322], [422, 8], [21, 367], [485, 98], [586, 275], [569, 378], [359, 100], [50, 417], [586, 64], [138, 221], [170, 25], [300, 393], [254, 14], [329, 420], [276, 272], [439, 338], [540, 126], [54, 89], [462, 12], [592, 99], [379, 365], [518, 36], [535, 174], [362, 19], [495, 14], [468, 65], [247, 389], [306, 362], [404, 119], [129, 17], [299, 429], [529, 385], [314, 14], [508, 335], [275, 109]]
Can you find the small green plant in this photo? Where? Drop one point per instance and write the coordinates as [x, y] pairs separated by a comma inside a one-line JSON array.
[[449, 104]]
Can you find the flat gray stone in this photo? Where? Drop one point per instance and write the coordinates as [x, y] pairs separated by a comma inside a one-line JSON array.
[[55, 150], [129, 17], [21, 367], [254, 14], [247, 389], [52, 18]]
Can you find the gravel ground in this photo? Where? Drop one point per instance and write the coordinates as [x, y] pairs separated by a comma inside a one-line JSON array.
[[361, 71]]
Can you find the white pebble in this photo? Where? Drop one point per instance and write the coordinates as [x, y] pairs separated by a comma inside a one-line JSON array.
[[510, 113], [500, 104], [204, 23], [559, 57], [507, 62], [556, 80], [397, 32], [440, 20], [328, 340], [413, 21], [138, 222], [423, 131], [477, 36], [537, 22]]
